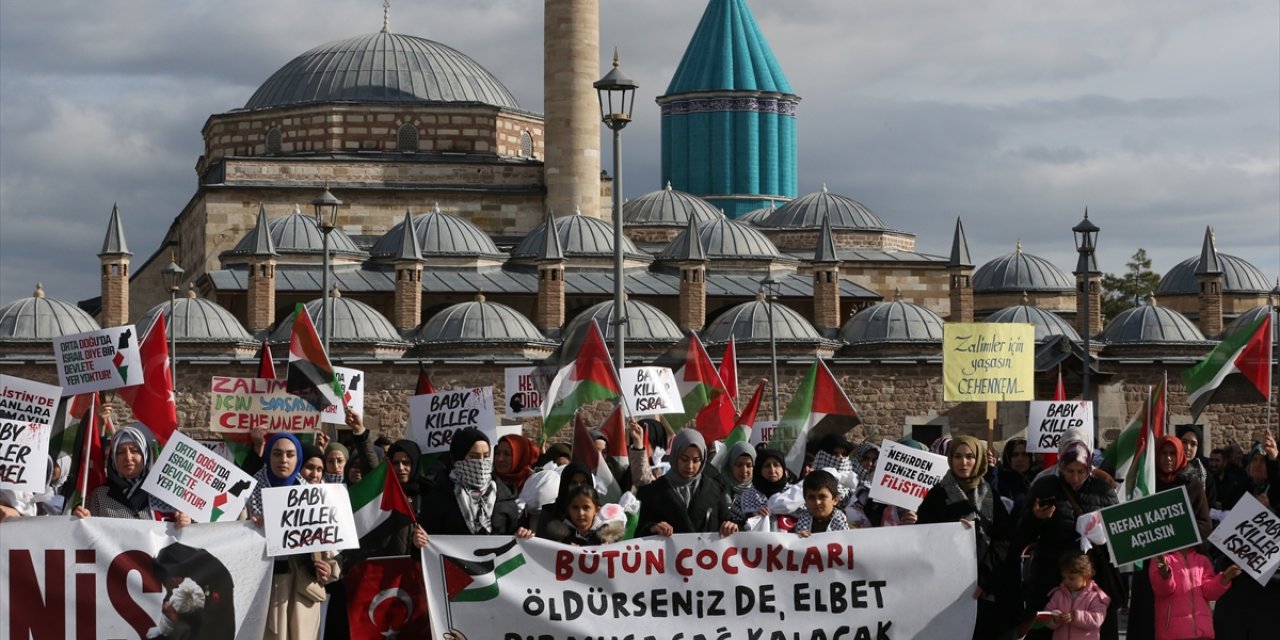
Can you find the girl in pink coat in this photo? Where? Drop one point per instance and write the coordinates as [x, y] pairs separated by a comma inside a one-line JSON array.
[[1078, 604], [1184, 583]]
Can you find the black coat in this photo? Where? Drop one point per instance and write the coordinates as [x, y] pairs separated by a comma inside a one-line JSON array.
[[441, 515], [707, 509]]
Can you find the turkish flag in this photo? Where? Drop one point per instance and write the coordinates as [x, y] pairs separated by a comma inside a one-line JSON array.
[[152, 401], [386, 598]]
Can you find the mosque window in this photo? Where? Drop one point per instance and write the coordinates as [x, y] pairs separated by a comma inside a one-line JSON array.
[[273, 141], [526, 144], [407, 139]]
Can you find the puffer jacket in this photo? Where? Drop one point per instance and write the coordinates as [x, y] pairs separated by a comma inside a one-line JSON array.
[[1182, 599], [1088, 610]]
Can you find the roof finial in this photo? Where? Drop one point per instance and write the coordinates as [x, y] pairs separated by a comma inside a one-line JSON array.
[[1086, 212], [191, 292], [577, 211], [39, 293], [480, 295], [297, 210], [1151, 299], [386, 16], [335, 293], [668, 185], [897, 294], [435, 208], [1024, 298], [824, 187], [1019, 248], [615, 58]]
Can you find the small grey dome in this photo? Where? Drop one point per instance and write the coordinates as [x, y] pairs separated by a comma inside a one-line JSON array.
[[896, 321], [1047, 324], [381, 67], [1238, 276], [668, 208], [749, 322], [1149, 324], [1017, 272], [755, 216], [439, 234], [355, 321], [580, 237], [645, 323], [298, 234], [1249, 317], [807, 212], [479, 321], [197, 320], [725, 239], [41, 318]]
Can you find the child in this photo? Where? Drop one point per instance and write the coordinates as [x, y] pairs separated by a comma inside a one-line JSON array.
[[586, 524], [1078, 604], [1184, 583], [819, 514]]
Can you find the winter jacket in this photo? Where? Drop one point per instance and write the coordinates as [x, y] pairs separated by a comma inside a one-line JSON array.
[[1182, 599], [708, 507], [441, 515], [1088, 609]]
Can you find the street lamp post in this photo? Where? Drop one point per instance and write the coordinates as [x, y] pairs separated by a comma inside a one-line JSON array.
[[617, 94], [1086, 237], [172, 275], [326, 214], [772, 286]]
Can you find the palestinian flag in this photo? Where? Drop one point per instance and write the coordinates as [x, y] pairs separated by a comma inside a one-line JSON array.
[[589, 377], [729, 370], [379, 500], [477, 580], [743, 425], [584, 451], [90, 465], [266, 365], [152, 402], [705, 398], [1247, 351], [818, 400], [424, 385], [310, 374], [1132, 455]]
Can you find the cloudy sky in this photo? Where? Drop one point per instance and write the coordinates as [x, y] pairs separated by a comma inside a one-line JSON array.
[[1160, 116]]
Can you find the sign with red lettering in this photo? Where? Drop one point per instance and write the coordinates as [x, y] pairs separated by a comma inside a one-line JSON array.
[[306, 518], [24, 455], [523, 390], [27, 400], [1250, 537], [98, 360], [352, 382], [650, 391], [239, 404], [865, 583], [904, 475], [197, 481], [1047, 420], [435, 417]]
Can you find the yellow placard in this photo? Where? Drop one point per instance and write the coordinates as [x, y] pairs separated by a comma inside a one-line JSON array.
[[988, 361]]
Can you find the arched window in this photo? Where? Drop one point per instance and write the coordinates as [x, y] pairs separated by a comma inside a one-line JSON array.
[[407, 139], [526, 144], [273, 141]]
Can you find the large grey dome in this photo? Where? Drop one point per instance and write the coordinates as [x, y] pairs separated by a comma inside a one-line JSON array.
[[749, 322], [1238, 276], [723, 239], [1149, 324], [381, 67], [645, 323], [355, 322], [893, 322], [298, 234], [41, 318], [439, 234], [668, 208], [1047, 324], [197, 320], [1249, 317], [479, 321], [1018, 272], [807, 212], [580, 237], [754, 216]]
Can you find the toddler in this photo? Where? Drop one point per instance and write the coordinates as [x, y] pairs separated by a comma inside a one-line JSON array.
[[1078, 605]]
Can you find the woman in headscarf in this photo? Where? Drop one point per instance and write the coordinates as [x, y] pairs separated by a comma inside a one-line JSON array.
[[1016, 473], [468, 501], [768, 478], [129, 456], [513, 460], [1192, 437], [1054, 503], [738, 469], [964, 495], [865, 456], [864, 512], [688, 498], [336, 456]]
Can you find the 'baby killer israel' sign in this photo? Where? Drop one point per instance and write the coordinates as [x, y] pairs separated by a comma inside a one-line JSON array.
[[24, 455], [308, 517], [435, 417], [1048, 420]]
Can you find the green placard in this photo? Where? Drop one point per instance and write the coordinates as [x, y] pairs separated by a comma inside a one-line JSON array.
[[1147, 527]]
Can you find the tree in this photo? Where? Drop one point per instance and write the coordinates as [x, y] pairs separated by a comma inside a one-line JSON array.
[[1128, 290]]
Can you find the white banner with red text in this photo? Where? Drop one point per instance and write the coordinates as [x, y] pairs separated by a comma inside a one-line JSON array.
[[870, 583], [76, 579]]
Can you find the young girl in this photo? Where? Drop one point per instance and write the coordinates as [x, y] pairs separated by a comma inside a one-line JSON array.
[[585, 524], [1078, 604], [1184, 584]]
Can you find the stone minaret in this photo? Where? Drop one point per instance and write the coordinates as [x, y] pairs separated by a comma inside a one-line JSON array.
[[826, 283], [550, 309], [960, 271], [570, 64], [408, 266], [693, 280], [1088, 283], [115, 273], [262, 276], [1210, 278]]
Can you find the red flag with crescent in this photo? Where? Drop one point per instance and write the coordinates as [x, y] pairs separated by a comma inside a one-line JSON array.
[[153, 401], [386, 598]]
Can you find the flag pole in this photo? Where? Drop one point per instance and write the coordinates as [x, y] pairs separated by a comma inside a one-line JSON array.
[[1271, 350]]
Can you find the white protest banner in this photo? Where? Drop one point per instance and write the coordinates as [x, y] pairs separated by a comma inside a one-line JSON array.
[[98, 360], [239, 404], [1047, 420], [195, 481], [1250, 537], [352, 381], [27, 400], [435, 417], [308, 517], [903, 474], [24, 455], [523, 390], [867, 583], [650, 391], [762, 431], [113, 577]]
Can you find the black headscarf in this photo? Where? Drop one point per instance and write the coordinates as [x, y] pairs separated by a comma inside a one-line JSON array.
[[409, 448], [767, 487], [566, 483]]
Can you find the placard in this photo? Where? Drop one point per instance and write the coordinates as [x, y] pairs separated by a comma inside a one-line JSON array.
[[197, 482], [1047, 420], [24, 455], [305, 518], [352, 381], [903, 474], [523, 390], [27, 400], [1250, 537], [98, 360], [236, 405], [435, 417], [763, 432], [984, 361], [650, 391], [1147, 527]]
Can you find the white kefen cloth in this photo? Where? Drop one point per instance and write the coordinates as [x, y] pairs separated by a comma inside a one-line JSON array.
[[540, 489], [787, 501], [629, 503], [1091, 531]]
